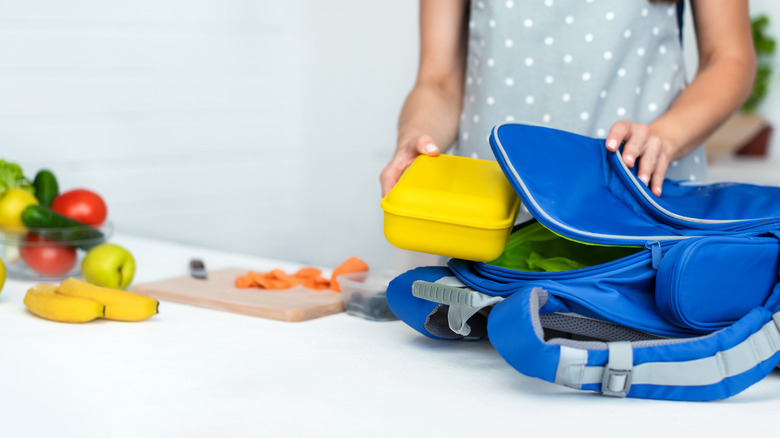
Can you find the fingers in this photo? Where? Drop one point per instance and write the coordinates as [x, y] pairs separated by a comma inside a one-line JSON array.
[[652, 148], [388, 177], [635, 136], [653, 165], [617, 133], [426, 146], [422, 145], [640, 142], [659, 174], [392, 172], [636, 144]]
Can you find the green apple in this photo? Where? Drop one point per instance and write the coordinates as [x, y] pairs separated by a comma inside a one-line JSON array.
[[108, 265]]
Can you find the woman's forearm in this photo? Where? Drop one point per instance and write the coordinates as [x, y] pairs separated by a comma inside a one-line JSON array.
[[717, 91], [429, 118], [434, 110], [434, 104], [727, 69]]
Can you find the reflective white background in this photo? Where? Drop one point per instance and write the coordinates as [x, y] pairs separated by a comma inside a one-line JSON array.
[[253, 126]]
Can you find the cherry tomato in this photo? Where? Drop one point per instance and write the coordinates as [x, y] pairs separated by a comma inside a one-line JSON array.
[[47, 259], [81, 205]]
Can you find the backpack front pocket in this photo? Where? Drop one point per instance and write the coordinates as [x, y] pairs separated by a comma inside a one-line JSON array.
[[709, 283]]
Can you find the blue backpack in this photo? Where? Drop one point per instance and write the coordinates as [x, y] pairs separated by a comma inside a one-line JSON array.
[[610, 288]]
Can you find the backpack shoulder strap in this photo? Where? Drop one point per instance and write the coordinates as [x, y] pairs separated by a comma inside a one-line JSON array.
[[715, 366]]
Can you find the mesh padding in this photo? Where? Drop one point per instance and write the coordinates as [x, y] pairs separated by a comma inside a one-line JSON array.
[[584, 328]]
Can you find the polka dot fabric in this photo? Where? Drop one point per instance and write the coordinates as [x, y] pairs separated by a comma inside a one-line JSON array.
[[576, 65]]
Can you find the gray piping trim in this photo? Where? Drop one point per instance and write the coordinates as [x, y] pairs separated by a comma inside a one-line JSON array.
[[667, 212], [744, 356], [533, 306], [550, 218], [617, 377]]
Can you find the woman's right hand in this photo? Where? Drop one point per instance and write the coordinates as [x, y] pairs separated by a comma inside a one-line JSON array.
[[404, 155], [432, 109]]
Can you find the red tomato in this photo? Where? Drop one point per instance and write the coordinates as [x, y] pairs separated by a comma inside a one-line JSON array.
[[81, 205], [47, 259]]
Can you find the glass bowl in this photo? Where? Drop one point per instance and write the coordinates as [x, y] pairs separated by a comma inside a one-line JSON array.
[[48, 254], [364, 295]]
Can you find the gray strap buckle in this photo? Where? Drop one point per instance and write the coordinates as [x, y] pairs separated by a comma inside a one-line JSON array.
[[616, 380], [463, 303]]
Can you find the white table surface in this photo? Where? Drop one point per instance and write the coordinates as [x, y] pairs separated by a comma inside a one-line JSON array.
[[197, 372]]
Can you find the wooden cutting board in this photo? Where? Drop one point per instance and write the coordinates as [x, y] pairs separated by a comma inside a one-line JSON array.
[[219, 292]]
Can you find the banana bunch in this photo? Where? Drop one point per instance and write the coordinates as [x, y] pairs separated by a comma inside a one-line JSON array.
[[78, 301]]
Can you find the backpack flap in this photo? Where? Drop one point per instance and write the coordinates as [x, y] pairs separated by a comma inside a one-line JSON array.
[[564, 181], [708, 284], [720, 206], [573, 185]]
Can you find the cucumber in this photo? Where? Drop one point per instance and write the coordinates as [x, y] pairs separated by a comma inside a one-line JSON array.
[[54, 226], [46, 187]]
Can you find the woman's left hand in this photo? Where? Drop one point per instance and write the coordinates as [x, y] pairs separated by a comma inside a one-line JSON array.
[[640, 142]]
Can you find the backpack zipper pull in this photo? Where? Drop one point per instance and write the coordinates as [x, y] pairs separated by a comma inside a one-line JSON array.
[[655, 252]]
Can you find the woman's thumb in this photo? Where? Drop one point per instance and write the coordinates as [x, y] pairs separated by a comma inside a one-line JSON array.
[[426, 146]]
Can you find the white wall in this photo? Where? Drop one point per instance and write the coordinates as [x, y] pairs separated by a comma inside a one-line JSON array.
[[251, 125], [363, 56], [256, 126]]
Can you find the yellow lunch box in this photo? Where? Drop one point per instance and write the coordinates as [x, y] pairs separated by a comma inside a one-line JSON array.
[[451, 206]]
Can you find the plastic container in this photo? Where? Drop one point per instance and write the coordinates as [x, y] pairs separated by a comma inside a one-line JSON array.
[[28, 257], [364, 295], [451, 206]]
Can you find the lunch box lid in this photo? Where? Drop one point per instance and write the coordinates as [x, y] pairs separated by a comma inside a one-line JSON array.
[[455, 190]]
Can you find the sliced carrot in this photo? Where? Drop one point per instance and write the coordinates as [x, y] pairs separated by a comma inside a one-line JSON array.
[[308, 277], [281, 284], [277, 273], [309, 272], [312, 283], [352, 264], [244, 282], [294, 280], [258, 280]]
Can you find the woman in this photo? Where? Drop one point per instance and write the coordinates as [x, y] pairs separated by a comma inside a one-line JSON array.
[[601, 68]]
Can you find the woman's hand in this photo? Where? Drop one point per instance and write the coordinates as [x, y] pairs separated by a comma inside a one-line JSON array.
[[727, 67], [640, 142], [432, 109], [404, 155]]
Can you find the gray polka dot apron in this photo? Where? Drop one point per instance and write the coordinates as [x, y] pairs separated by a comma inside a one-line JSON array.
[[575, 65]]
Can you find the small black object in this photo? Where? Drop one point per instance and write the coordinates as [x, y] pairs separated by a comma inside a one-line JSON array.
[[198, 269], [374, 307]]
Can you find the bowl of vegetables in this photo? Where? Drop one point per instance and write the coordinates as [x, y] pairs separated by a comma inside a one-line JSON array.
[[44, 234], [43, 254]]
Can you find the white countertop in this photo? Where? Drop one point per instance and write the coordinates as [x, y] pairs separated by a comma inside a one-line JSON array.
[[196, 372]]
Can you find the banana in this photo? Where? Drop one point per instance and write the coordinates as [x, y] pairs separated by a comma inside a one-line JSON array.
[[120, 305], [44, 302]]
